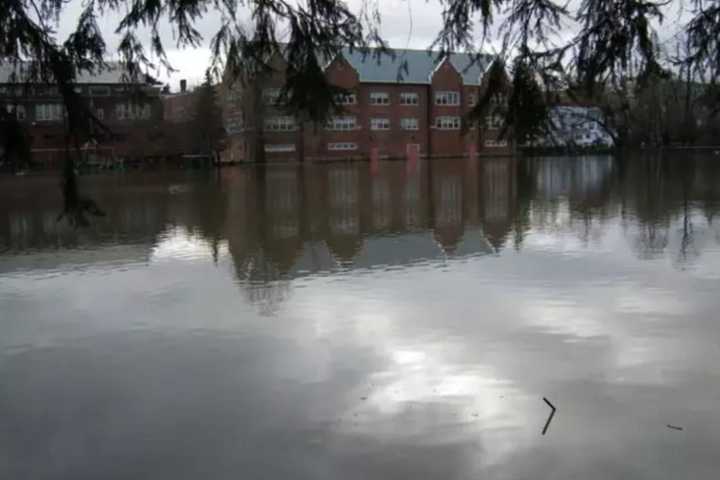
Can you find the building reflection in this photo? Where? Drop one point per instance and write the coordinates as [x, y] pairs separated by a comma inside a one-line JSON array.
[[283, 222]]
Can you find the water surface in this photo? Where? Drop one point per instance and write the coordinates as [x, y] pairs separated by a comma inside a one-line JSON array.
[[324, 322]]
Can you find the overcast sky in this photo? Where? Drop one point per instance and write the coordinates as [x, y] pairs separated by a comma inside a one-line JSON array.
[[405, 23]]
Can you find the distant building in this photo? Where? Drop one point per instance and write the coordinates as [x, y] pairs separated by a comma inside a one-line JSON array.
[[131, 109], [178, 113], [178, 107], [410, 101]]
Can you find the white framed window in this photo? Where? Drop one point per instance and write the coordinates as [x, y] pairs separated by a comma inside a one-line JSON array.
[[342, 146], [379, 98], [271, 96], [346, 99], [447, 123], [99, 91], [409, 98], [495, 143], [472, 99], [49, 112], [447, 98], [379, 124], [279, 147], [493, 122], [283, 123], [132, 111], [409, 123], [341, 123]]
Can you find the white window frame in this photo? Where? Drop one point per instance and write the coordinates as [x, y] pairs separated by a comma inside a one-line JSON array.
[[342, 146], [449, 98], [380, 99], [446, 122], [472, 99], [409, 123], [493, 143], [280, 123], [380, 123], [409, 99], [279, 147], [342, 123], [271, 96], [493, 122], [49, 112], [132, 111], [346, 99]]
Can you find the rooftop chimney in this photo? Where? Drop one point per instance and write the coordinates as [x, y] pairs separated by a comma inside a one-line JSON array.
[[183, 85]]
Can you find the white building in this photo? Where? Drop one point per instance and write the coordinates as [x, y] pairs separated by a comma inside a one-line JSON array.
[[576, 126]]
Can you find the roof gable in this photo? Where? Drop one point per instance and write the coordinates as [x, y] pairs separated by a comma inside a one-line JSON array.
[[113, 74], [414, 66]]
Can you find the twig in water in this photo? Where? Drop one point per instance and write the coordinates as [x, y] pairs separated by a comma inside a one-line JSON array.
[[674, 427], [552, 414]]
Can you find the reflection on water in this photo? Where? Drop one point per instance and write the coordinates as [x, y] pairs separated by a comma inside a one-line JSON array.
[[323, 322]]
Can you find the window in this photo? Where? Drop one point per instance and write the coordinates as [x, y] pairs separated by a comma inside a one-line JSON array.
[[100, 113], [279, 148], [447, 98], [271, 96], [472, 99], [47, 91], [335, 147], [379, 98], [493, 122], [346, 99], [51, 112], [78, 90], [447, 123], [19, 111], [407, 98], [498, 100], [379, 124], [496, 143], [99, 91], [132, 111], [409, 123], [280, 124], [341, 123]]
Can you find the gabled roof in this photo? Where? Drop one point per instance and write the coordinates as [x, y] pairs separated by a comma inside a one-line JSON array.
[[414, 66], [111, 75]]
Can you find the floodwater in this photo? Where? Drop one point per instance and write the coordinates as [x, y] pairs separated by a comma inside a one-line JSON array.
[[343, 322]]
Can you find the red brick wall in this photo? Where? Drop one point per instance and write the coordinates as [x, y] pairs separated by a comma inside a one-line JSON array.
[[311, 141], [446, 142]]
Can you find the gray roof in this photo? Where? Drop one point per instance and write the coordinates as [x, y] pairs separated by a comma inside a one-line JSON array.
[[414, 66], [113, 74]]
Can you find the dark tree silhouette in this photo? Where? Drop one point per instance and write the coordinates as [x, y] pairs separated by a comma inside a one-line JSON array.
[[207, 119]]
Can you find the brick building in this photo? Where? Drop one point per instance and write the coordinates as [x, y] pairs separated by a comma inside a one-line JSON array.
[[130, 109], [410, 100]]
